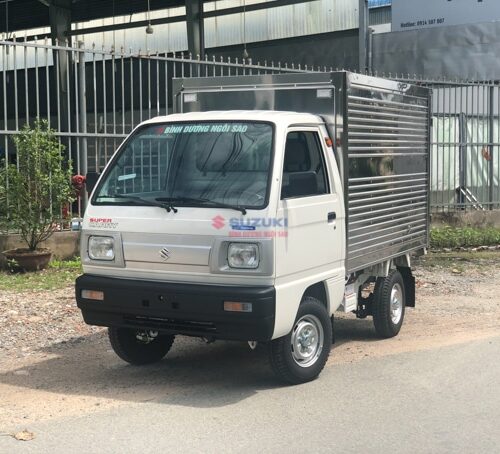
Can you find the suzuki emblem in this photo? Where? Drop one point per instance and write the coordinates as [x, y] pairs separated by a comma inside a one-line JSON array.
[[164, 253]]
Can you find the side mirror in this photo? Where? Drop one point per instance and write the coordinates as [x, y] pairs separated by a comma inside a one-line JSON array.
[[76, 224], [91, 180]]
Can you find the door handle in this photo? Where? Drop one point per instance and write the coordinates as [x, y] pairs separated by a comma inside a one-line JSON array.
[[332, 216]]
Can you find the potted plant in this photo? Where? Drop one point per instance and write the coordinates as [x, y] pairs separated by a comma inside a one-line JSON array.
[[34, 191]]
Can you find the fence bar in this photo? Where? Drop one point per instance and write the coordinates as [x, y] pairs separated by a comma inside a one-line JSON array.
[[465, 121], [113, 85], [104, 106], [37, 85], [491, 161], [122, 60], [94, 87], [132, 92], [5, 117], [82, 93], [25, 85], [140, 89], [58, 89]]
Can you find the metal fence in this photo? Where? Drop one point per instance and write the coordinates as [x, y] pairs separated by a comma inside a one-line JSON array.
[[465, 144], [94, 97]]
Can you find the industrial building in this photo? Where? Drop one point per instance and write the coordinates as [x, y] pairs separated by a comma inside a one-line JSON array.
[[452, 39]]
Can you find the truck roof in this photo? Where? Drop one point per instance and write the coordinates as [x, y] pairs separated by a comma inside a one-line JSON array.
[[273, 116]]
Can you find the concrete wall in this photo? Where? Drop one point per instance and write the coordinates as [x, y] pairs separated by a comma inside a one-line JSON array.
[[335, 49], [459, 51], [64, 245], [467, 219]]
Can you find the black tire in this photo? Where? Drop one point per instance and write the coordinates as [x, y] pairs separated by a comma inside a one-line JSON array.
[[281, 352], [388, 323], [130, 348]]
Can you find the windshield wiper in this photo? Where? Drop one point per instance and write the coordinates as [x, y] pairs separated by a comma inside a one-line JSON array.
[[201, 201], [166, 206]]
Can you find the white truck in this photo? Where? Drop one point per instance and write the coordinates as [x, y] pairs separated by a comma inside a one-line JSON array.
[[263, 206]]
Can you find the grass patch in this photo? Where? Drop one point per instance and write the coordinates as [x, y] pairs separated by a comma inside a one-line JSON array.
[[456, 237], [461, 260], [59, 274]]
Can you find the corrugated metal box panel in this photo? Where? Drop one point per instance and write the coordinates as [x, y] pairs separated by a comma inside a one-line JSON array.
[[388, 161]]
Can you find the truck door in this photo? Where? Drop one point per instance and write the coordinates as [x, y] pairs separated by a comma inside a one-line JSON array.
[[314, 244]]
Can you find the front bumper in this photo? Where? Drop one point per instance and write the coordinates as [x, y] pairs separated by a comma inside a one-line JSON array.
[[189, 309]]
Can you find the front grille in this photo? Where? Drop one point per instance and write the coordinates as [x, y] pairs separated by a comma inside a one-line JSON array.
[[168, 324]]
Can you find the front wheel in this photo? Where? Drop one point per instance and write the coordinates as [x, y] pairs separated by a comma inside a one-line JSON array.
[[301, 355], [139, 347], [389, 305]]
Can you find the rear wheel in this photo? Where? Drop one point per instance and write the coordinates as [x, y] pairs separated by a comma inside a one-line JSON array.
[[139, 347], [300, 356], [389, 305]]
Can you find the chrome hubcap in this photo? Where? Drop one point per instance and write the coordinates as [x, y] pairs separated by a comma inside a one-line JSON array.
[[396, 303], [307, 340]]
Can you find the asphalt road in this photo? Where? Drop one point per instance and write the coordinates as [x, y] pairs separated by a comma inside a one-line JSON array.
[[438, 400]]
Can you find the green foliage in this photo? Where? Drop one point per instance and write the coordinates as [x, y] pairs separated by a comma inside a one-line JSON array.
[[59, 274], [3, 202], [75, 264], [36, 189], [12, 265], [456, 237]]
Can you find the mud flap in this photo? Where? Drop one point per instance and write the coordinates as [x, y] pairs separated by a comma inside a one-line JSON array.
[[409, 281]]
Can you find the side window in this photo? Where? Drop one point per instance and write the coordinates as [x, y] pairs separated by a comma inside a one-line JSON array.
[[304, 171]]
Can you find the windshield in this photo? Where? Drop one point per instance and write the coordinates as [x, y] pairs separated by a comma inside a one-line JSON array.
[[192, 164]]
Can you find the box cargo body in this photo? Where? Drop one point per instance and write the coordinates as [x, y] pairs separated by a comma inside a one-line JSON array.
[[380, 131]]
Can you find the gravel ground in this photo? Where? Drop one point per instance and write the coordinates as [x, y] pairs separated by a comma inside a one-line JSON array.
[[52, 364], [31, 321]]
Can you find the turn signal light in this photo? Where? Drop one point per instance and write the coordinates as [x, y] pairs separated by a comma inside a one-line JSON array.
[[232, 306], [93, 295]]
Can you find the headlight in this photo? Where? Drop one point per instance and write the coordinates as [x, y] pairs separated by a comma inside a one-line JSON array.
[[243, 255], [101, 248]]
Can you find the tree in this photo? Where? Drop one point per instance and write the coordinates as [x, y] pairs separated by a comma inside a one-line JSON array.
[[36, 189]]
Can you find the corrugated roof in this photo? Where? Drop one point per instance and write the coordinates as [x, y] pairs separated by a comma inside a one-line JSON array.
[[86, 10], [27, 14]]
